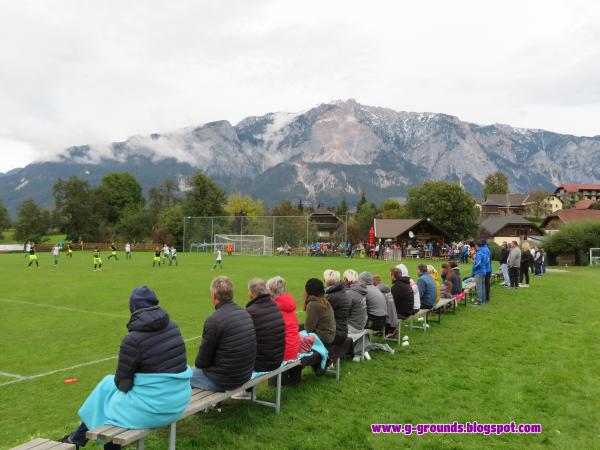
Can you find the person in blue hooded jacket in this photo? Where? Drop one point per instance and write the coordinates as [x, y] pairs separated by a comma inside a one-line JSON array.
[[427, 288], [488, 270], [151, 386], [480, 267]]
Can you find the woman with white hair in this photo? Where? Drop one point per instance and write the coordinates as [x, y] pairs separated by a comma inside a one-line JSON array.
[[335, 292], [413, 285], [287, 304], [357, 316]]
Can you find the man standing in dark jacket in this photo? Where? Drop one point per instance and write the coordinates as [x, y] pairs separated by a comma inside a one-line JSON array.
[[226, 356], [403, 294], [268, 325], [504, 264]]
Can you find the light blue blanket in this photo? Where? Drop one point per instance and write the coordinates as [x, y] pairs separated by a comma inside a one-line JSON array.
[[155, 400]]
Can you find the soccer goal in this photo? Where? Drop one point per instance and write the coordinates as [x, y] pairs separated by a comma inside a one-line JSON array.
[[594, 256], [244, 244]]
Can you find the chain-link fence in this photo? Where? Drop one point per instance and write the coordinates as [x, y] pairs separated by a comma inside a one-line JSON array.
[[288, 233]]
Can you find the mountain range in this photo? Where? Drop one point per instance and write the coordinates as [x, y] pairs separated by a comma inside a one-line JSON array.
[[319, 155]]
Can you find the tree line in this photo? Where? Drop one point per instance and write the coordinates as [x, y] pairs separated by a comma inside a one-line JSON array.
[[116, 209]]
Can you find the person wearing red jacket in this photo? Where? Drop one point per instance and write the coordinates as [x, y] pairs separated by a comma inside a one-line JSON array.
[[287, 304]]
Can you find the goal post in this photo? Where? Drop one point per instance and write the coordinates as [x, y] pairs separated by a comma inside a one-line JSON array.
[[594, 256], [244, 244]]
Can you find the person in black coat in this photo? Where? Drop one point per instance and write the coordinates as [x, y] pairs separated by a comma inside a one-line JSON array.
[[268, 325], [226, 356], [153, 345], [335, 292], [403, 294]]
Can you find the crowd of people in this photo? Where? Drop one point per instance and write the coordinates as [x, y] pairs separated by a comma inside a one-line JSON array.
[[239, 343], [516, 261]]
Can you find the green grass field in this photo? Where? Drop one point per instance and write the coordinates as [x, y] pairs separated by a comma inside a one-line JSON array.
[[530, 356]]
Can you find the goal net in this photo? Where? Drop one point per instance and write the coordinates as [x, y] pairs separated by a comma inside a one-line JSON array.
[[594, 256], [244, 244]]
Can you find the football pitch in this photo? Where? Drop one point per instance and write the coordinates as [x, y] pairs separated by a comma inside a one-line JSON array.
[[530, 356]]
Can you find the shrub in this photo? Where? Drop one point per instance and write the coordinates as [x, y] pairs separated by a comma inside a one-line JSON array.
[[575, 239]]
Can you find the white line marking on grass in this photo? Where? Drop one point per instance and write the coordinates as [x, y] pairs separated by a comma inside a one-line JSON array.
[[52, 372], [10, 375], [64, 308]]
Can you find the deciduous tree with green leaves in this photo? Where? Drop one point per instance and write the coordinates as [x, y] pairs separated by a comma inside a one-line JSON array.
[[244, 205], [447, 205], [33, 222], [204, 198], [124, 192], [4, 219], [495, 183], [393, 209]]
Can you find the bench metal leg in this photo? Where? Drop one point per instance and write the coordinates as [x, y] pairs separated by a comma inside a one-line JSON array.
[[362, 352], [173, 436], [140, 444], [278, 394], [338, 362]]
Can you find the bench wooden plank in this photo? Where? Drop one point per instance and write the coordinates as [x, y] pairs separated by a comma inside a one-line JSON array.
[[108, 435], [31, 444], [131, 436], [93, 434], [53, 445]]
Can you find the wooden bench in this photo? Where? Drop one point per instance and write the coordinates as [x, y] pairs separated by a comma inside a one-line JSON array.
[[200, 400], [44, 444], [440, 306]]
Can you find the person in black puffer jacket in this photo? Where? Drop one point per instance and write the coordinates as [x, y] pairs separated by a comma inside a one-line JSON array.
[[226, 356], [335, 292], [402, 291], [269, 326], [153, 346], [154, 343]]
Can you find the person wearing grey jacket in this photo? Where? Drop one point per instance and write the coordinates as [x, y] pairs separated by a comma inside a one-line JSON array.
[[357, 317], [514, 264], [376, 303]]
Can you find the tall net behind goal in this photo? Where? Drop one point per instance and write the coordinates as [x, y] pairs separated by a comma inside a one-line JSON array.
[[594, 256], [244, 244]]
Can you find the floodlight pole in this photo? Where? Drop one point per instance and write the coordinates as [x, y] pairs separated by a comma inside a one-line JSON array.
[[184, 223], [212, 233], [306, 242], [241, 234]]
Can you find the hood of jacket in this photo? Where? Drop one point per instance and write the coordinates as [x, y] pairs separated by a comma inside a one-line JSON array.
[[383, 288], [405, 280], [359, 287], [153, 318], [366, 278], [286, 302], [337, 287]]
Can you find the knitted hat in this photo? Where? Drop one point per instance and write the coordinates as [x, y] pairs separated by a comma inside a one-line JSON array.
[[315, 287], [142, 297]]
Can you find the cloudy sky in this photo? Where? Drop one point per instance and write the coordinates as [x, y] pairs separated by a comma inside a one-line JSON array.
[[76, 72]]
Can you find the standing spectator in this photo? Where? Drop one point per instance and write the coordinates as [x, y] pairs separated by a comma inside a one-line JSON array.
[[287, 304], [427, 288], [514, 264], [226, 356], [335, 291], [537, 262], [504, 264], [488, 270], [479, 269], [268, 326], [320, 318], [526, 261], [544, 261]]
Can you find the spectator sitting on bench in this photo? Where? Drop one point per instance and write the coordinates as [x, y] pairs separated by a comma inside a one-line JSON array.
[[357, 317], [455, 278], [414, 286], [402, 291], [320, 318], [287, 304], [226, 356], [335, 292], [376, 303], [431, 270], [427, 288], [152, 375], [446, 289]]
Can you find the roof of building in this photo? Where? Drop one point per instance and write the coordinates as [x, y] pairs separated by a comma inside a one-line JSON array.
[[569, 187], [495, 223], [583, 204], [573, 215], [322, 212], [391, 228], [514, 200]]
